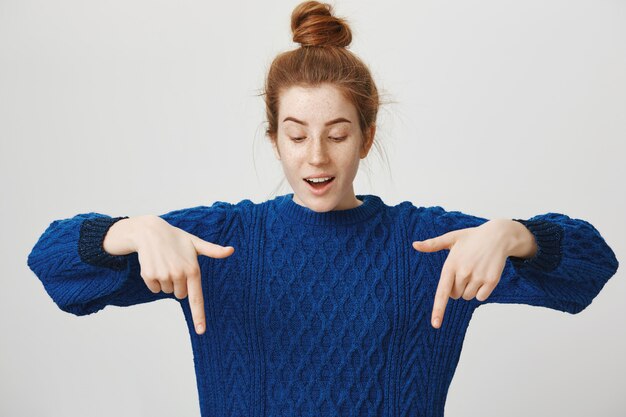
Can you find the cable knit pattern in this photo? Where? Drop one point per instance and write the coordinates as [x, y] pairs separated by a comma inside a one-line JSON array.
[[323, 314]]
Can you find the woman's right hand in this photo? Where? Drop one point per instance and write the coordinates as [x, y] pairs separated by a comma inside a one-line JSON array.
[[168, 257]]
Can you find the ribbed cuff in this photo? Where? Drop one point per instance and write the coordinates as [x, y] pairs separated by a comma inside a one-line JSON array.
[[548, 236], [90, 248]]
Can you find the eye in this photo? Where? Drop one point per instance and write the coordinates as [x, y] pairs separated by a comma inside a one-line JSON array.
[[338, 139], [298, 139]]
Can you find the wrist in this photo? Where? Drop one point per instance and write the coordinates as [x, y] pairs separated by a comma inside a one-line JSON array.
[[122, 236], [521, 242]]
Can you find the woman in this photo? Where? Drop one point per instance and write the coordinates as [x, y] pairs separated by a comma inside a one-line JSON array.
[[324, 302]]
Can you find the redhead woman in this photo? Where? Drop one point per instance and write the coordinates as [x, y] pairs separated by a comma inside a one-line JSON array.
[[322, 302]]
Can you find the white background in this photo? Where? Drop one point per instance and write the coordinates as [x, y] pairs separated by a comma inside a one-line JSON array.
[[499, 109]]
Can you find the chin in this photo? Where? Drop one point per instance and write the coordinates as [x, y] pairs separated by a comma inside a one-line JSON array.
[[320, 204]]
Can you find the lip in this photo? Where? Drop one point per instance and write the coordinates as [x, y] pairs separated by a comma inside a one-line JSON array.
[[323, 190], [323, 175]]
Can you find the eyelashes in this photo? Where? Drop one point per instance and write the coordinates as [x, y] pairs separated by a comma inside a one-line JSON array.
[[337, 139]]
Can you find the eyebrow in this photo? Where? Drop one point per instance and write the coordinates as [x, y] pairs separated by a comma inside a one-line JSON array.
[[337, 120]]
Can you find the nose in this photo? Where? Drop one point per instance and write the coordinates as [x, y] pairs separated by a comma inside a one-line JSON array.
[[318, 154]]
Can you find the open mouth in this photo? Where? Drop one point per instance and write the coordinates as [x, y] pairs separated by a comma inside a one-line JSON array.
[[319, 184]]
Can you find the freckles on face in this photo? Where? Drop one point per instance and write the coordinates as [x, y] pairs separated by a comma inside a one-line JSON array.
[[319, 135], [317, 120]]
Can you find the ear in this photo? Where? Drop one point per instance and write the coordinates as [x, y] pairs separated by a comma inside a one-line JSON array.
[[368, 141], [275, 147]]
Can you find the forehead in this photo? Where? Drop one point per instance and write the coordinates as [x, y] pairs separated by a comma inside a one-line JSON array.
[[315, 104]]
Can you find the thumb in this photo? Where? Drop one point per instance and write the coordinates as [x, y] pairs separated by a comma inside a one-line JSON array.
[[212, 250], [432, 245]]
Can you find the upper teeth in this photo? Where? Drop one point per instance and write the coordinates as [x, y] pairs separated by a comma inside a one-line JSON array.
[[318, 179]]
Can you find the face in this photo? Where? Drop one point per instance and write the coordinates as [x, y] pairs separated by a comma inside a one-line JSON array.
[[319, 136]]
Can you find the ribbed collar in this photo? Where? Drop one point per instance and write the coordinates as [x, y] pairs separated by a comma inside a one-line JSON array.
[[296, 213]]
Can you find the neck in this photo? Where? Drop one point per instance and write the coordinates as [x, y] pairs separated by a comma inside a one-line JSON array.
[[298, 213]]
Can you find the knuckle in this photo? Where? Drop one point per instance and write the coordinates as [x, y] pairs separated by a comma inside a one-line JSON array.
[[193, 271], [463, 272], [178, 276], [492, 280], [150, 281], [165, 278], [147, 275], [160, 276]]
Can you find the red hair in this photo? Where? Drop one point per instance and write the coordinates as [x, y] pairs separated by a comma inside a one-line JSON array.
[[321, 58]]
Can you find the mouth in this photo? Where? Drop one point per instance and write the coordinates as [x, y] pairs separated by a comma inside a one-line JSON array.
[[319, 185]]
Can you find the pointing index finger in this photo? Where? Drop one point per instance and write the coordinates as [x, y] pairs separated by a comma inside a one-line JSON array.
[[444, 288], [196, 302]]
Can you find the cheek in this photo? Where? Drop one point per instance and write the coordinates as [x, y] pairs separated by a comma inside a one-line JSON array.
[[290, 163], [351, 156]]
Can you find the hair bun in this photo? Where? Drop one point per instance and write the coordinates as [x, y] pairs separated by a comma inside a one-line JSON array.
[[313, 24]]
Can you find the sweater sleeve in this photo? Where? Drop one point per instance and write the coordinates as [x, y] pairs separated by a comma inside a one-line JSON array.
[[572, 263], [82, 278]]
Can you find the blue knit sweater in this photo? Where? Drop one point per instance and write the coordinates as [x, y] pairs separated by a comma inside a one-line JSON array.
[[323, 314]]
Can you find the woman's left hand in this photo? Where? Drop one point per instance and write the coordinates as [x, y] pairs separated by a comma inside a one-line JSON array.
[[474, 265]]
